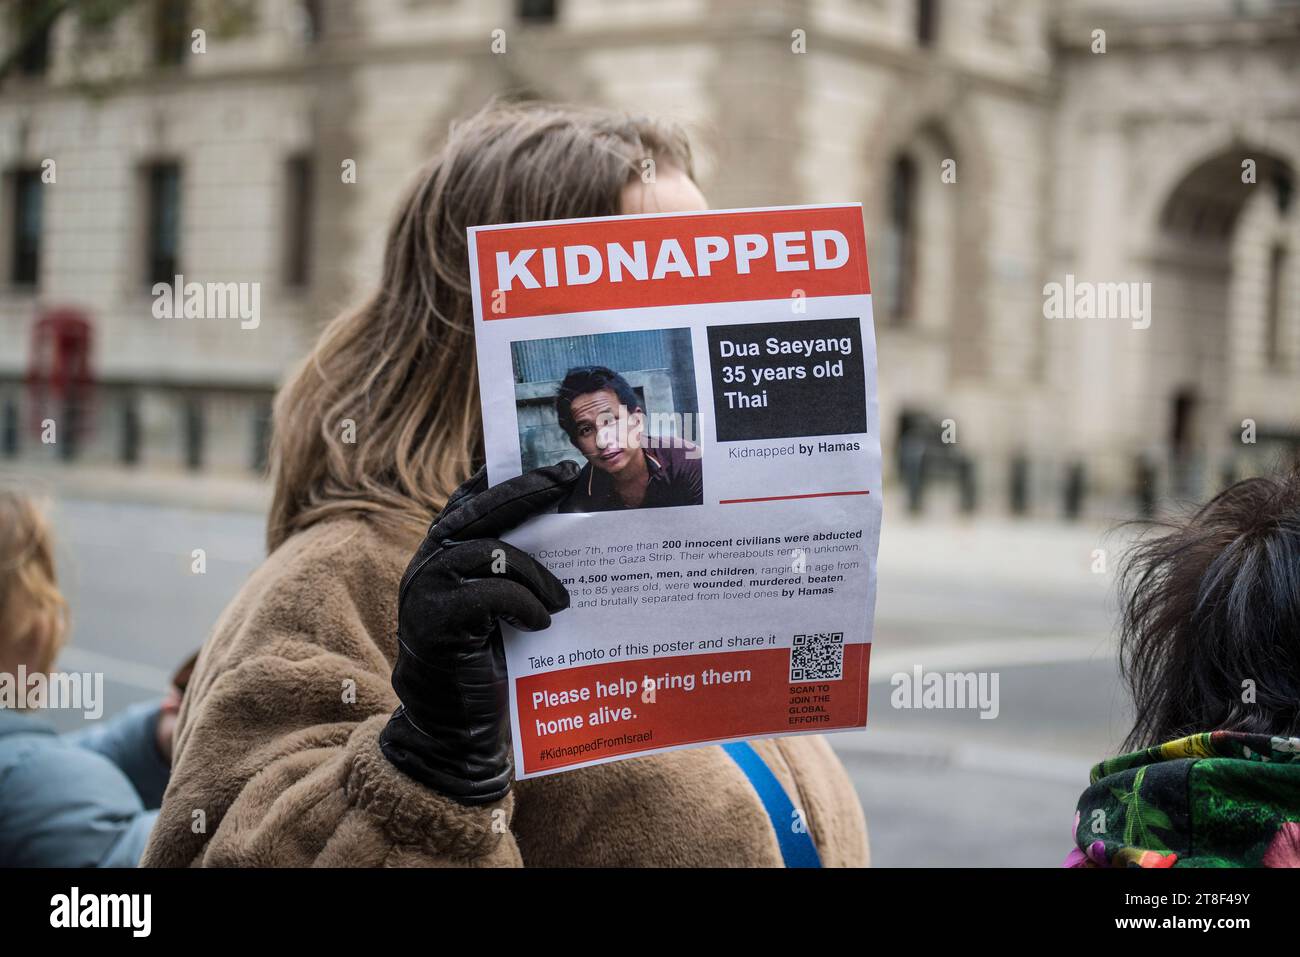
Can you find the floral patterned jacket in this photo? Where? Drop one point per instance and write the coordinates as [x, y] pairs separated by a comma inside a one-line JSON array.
[[1221, 799]]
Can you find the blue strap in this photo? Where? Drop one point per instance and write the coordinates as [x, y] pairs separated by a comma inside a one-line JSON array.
[[797, 847]]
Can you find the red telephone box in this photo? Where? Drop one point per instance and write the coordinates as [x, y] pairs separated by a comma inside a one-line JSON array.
[[60, 382]]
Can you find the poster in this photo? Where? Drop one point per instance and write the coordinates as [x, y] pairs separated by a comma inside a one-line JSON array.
[[714, 374]]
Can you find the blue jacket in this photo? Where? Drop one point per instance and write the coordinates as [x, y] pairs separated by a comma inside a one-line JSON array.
[[85, 799]]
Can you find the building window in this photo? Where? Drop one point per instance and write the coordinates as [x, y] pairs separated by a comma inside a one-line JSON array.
[[26, 239], [313, 21], [927, 22], [298, 221], [1274, 319], [1000, 22], [537, 11], [33, 28], [162, 241], [1182, 422], [900, 258], [171, 31]]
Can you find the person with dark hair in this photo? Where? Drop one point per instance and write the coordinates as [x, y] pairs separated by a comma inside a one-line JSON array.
[[1210, 651], [626, 468]]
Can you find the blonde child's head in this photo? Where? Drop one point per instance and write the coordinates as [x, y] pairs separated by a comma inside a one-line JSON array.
[[33, 614]]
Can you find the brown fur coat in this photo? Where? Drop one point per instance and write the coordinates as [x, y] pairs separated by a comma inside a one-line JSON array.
[[277, 760]]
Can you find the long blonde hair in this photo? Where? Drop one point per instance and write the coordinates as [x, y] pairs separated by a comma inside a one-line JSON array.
[[33, 613], [382, 418]]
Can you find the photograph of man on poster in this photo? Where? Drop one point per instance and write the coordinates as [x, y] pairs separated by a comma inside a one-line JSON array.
[[626, 466]]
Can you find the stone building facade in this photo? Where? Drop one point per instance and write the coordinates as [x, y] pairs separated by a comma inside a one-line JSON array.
[[998, 146]]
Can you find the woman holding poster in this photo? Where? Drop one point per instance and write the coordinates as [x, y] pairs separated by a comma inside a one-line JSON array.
[[313, 732]]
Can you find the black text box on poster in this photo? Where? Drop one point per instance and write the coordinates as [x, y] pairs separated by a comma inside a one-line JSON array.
[[775, 380]]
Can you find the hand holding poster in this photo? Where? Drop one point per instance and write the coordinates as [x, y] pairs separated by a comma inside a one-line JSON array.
[[714, 374]]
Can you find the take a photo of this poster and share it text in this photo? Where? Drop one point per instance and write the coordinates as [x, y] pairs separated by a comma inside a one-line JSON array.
[[714, 375]]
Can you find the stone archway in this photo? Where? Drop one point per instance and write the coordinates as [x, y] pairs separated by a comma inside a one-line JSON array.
[[1211, 232]]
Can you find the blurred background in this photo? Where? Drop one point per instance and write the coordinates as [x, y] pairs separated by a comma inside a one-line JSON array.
[[998, 146]]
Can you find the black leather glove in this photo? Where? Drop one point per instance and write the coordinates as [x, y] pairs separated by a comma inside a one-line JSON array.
[[452, 731]]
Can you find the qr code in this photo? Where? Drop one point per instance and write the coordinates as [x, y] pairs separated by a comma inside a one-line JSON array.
[[817, 657]]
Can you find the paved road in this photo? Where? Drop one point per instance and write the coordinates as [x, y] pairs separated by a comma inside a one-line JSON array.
[[941, 787]]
